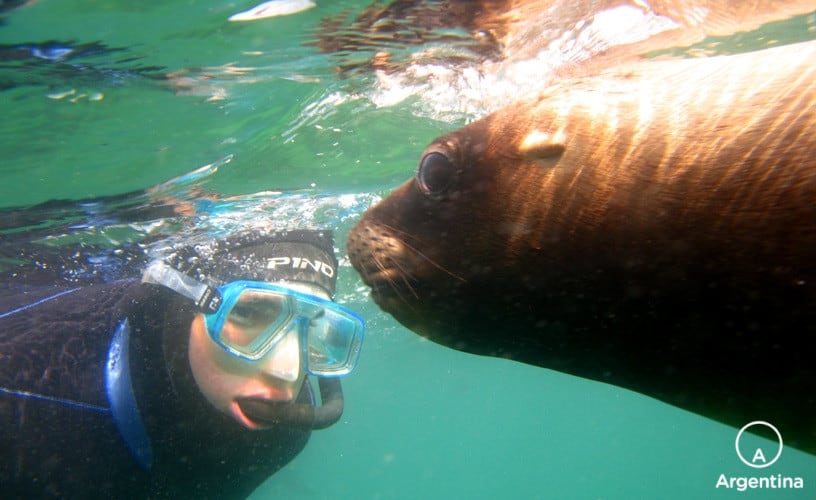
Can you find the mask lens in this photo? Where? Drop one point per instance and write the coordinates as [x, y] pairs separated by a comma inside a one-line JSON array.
[[334, 340], [255, 321]]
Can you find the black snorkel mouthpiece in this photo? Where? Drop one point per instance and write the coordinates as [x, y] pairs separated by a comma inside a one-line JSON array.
[[300, 415]]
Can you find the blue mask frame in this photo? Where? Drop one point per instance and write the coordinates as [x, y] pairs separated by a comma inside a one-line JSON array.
[[329, 334]]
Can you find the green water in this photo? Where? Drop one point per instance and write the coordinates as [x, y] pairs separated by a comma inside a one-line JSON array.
[[421, 421]]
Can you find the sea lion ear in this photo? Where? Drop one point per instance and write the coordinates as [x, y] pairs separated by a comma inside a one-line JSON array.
[[538, 145]]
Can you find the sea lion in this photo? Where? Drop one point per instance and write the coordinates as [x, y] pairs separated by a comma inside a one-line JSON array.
[[653, 227], [465, 58], [495, 30]]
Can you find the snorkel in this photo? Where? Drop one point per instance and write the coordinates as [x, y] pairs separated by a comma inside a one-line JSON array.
[[267, 264], [302, 416]]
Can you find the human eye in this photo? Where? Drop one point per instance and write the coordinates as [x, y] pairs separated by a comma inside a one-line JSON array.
[[248, 314], [255, 311]]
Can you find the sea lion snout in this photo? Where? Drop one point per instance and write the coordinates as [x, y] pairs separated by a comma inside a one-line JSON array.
[[373, 250], [403, 243], [386, 262]]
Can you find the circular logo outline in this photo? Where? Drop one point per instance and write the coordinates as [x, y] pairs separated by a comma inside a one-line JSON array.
[[751, 424]]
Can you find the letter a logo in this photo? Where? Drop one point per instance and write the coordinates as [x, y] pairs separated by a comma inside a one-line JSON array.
[[759, 461]]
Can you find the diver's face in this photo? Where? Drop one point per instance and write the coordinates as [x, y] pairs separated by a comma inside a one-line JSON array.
[[223, 378]]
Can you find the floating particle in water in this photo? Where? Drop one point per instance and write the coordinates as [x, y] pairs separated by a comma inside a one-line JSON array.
[[273, 8], [61, 95]]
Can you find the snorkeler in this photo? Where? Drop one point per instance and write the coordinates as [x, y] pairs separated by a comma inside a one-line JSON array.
[[191, 382]]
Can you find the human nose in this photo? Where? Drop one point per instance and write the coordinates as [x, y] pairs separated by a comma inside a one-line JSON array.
[[283, 361]]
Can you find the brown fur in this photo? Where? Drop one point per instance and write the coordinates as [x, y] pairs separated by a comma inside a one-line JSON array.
[[653, 227]]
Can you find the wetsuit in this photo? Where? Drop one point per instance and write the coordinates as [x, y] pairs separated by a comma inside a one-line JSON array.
[[60, 434]]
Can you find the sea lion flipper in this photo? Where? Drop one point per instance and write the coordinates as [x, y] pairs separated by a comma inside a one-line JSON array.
[[538, 145]]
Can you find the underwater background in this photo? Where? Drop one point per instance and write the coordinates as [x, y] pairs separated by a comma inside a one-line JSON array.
[[239, 122]]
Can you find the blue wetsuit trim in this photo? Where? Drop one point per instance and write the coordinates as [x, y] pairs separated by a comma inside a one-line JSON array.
[[118, 388], [38, 302], [42, 397], [122, 400]]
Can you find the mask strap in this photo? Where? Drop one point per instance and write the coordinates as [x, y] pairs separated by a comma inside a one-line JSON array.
[[204, 296]]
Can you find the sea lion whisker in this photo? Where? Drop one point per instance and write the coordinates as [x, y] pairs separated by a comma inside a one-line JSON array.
[[405, 275], [392, 282], [438, 266], [430, 260], [401, 232]]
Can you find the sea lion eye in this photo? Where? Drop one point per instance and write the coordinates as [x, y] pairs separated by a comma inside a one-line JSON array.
[[435, 173]]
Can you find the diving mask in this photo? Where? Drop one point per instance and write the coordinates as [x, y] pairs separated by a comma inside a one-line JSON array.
[[249, 318]]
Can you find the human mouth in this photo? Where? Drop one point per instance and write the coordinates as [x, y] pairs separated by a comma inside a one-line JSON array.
[[238, 414], [257, 413]]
